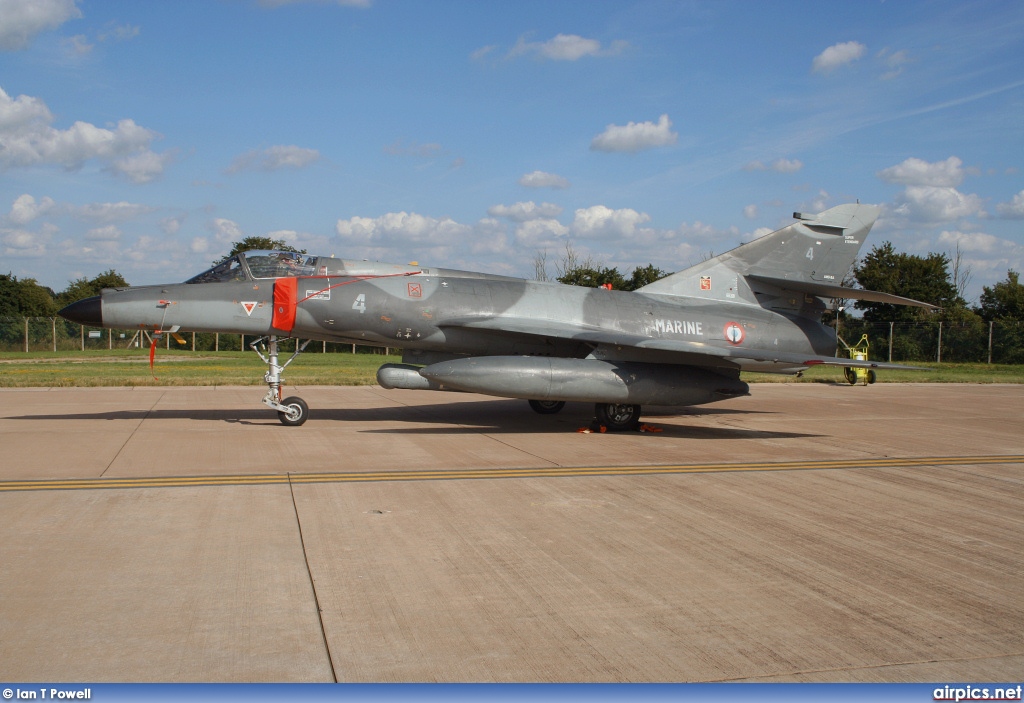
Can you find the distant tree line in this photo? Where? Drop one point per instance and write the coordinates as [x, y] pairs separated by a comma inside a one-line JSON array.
[[941, 281], [934, 278], [26, 298], [587, 272]]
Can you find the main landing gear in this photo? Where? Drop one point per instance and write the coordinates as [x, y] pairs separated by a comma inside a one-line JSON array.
[[547, 407], [291, 411], [616, 417]]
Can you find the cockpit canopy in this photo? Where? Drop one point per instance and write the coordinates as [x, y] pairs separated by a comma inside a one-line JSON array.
[[256, 264]]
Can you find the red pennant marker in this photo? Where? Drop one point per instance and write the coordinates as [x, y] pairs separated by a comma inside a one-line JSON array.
[[152, 354]]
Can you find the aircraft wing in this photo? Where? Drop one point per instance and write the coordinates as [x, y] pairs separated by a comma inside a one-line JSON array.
[[689, 353]]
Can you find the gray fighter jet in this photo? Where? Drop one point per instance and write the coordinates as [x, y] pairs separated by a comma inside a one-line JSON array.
[[682, 340]]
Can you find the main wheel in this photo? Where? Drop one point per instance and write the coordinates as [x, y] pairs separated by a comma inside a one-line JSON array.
[[547, 407], [872, 376], [618, 416], [298, 412]]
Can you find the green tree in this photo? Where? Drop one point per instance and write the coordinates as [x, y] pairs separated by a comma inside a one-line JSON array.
[[255, 243], [643, 275], [924, 278], [86, 288], [24, 298], [1004, 300], [590, 277]]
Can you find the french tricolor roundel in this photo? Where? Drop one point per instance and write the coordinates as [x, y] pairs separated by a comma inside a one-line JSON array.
[[734, 333]]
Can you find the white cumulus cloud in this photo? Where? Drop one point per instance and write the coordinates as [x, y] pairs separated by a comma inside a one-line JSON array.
[[143, 167], [110, 233], [28, 139], [566, 47], [601, 222], [937, 204], [837, 55], [541, 179], [78, 45], [274, 158], [397, 228], [22, 20], [894, 62], [523, 212], [25, 209], [918, 172], [635, 136], [973, 241], [779, 166], [226, 230], [171, 225], [1013, 210], [535, 235], [111, 212]]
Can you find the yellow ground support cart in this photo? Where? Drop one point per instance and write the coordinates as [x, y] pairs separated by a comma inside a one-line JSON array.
[[859, 351]]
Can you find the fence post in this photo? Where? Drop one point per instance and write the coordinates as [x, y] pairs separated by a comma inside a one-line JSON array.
[[938, 359], [990, 341], [53, 324], [26, 335], [890, 341], [82, 330], [216, 341]]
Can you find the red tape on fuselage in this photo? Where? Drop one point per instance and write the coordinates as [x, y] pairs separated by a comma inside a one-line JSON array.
[[285, 294]]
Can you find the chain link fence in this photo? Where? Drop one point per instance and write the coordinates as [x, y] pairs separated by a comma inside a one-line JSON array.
[[955, 342], [53, 334], [972, 342]]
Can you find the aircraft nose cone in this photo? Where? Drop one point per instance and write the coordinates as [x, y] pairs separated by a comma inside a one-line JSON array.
[[88, 312]]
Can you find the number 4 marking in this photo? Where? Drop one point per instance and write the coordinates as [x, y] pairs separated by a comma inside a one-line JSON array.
[[360, 303], [810, 253]]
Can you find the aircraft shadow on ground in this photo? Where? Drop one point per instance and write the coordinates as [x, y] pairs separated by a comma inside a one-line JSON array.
[[499, 416]]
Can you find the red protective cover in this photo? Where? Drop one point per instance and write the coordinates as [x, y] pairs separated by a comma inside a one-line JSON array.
[[285, 290]]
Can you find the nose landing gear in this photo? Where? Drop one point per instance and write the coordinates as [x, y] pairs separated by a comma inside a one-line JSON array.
[[291, 411]]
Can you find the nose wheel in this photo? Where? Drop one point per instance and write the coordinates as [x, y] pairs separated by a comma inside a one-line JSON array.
[[296, 414], [291, 411]]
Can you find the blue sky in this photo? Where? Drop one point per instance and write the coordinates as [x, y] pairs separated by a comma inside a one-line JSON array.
[[148, 136]]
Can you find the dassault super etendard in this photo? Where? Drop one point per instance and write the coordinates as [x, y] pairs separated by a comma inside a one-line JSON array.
[[682, 340]]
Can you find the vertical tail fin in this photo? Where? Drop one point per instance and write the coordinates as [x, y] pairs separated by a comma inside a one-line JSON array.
[[817, 250]]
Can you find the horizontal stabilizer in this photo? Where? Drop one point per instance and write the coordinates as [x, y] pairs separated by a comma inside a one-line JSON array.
[[826, 290]]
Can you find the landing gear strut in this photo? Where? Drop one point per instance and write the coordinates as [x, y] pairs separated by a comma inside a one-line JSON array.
[[292, 411]]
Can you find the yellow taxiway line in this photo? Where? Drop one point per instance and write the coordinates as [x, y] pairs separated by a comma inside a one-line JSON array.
[[463, 474]]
